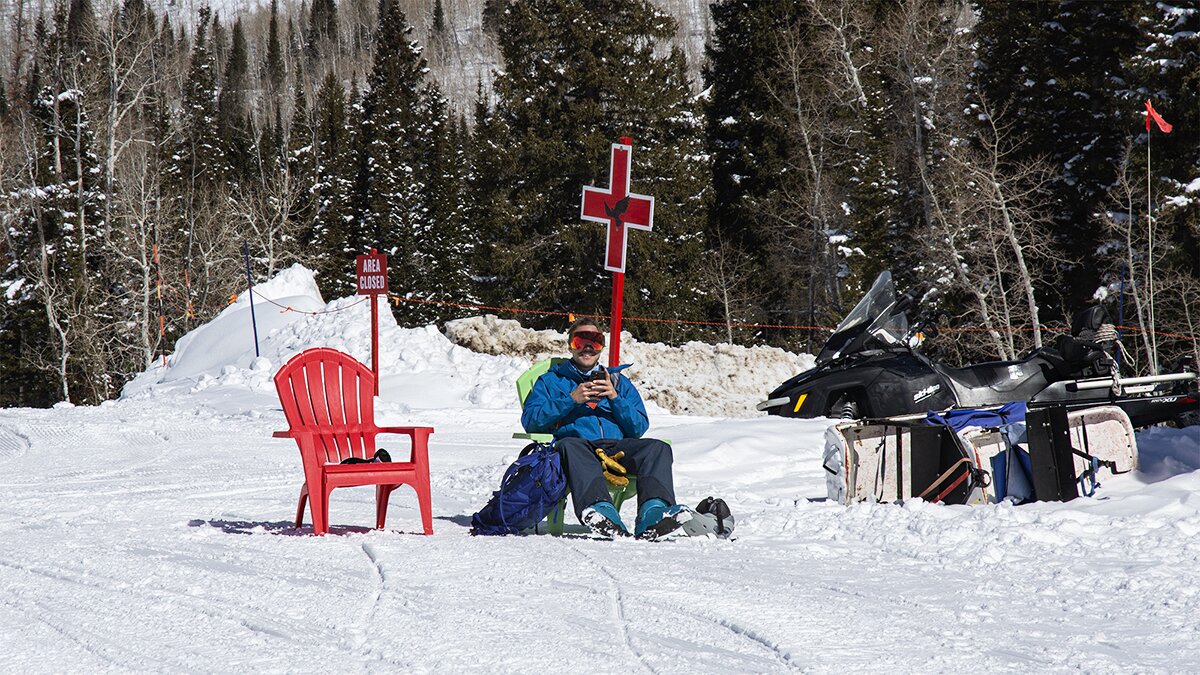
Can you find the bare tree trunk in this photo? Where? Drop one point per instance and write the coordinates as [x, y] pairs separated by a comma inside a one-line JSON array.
[[1010, 235], [1126, 231], [49, 295], [841, 45], [1010, 344]]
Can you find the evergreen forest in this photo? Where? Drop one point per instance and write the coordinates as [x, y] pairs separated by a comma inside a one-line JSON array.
[[995, 151]]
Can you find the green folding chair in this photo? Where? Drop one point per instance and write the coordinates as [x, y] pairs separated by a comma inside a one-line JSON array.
[[554, 520]]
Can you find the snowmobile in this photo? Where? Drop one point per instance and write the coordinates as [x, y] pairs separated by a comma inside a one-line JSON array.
[[871, 367]]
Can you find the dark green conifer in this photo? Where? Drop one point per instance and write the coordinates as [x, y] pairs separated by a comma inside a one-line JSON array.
[[200, 155], [394, 132], [233, 124], [322, 30], [273, 71], [439, 17], [610, 76], [333, 218], [1057, 68], [444, 243]]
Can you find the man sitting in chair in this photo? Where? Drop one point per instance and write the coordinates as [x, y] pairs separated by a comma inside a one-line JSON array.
[[597, 419]]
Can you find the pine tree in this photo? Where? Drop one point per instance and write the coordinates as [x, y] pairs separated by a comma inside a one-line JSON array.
[[195, 170], [201, 156], [218, 44], [608, 77], [439, 17], [393, 135], [81, 24], [295, 43], [1054, 66], [233, 123], [322, 30], [57, 246], [750, 155], [333, 217], [485, 192], [445, 245], [1165, 67], [273, 70]]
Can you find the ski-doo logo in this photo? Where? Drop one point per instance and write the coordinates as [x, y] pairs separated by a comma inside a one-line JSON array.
[[926, 393]]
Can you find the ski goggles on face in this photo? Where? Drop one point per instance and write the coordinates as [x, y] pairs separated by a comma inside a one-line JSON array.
[[586, 339]]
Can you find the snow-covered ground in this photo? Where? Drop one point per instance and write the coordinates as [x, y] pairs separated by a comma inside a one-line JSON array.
[[153, 533]]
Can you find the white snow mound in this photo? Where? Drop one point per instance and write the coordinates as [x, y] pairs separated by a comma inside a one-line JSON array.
[[419, 367], [694, 379]]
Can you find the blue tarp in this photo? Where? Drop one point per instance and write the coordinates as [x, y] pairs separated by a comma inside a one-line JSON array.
[[958, 420], [1010, 469]]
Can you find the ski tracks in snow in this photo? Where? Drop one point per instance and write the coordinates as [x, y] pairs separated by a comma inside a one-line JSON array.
[[13, 444], [617, 599], [360, 638], [119, 648], [781, 655], [622, 611]]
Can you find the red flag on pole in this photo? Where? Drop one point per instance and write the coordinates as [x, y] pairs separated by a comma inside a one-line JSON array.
[[1163, 126]]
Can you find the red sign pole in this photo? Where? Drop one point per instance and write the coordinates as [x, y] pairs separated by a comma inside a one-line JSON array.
[[618, 297], [375, 339], [371, 272], [621, 210]]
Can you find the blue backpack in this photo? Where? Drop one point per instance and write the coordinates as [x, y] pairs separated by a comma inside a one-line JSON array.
[[531, 488]]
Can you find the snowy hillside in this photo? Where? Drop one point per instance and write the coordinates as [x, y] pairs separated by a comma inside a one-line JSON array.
[[153, 533], [467, 58]]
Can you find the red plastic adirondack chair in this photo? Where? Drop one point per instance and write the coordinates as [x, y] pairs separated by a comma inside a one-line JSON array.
[[328, 399]]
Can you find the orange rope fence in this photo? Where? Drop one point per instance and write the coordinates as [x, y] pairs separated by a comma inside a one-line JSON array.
[[1177, 336], [289, 308], [396, 299]]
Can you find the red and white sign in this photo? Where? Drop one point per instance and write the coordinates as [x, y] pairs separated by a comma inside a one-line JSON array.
[[371, 271], [618, 207]]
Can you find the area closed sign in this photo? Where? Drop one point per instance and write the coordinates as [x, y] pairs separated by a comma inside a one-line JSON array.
[[371, 270]]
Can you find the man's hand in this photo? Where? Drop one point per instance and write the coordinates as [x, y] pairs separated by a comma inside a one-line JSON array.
[[603, 389], [583, 393], [593, 390], [614, 473]]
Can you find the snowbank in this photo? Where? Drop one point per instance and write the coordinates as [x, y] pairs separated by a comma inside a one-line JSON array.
[[419, 366], [693, 379], [476, 362]]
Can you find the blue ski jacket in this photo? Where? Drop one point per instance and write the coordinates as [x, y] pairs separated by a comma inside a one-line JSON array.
[[550, 408]]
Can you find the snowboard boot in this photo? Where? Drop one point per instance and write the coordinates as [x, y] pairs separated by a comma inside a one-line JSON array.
[[603, 519], [656, 520]]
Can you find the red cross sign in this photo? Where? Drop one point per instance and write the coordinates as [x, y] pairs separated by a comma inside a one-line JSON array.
[[618, 207]]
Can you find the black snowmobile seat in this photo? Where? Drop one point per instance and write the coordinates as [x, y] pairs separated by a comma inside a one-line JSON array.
[[1089, 319], [1076, 354], [1018, 380]]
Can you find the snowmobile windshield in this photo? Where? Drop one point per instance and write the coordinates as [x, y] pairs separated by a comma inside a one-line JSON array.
[[873, 316]]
